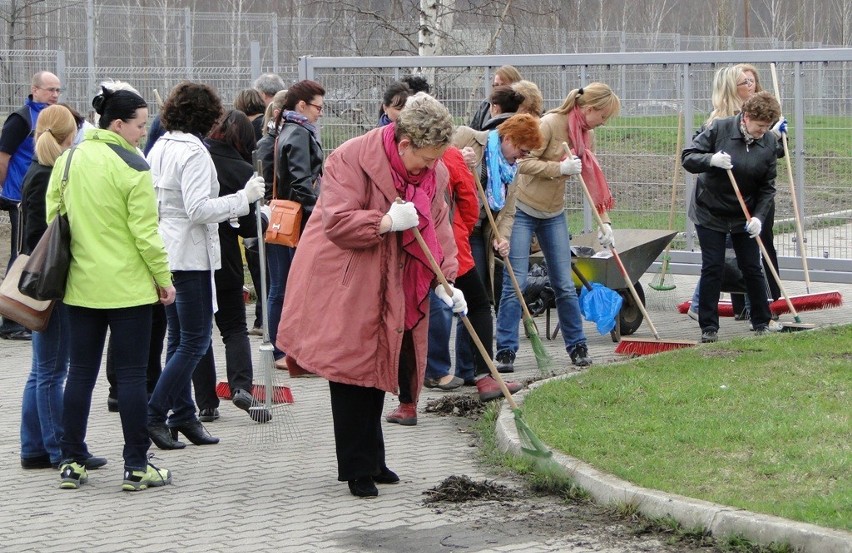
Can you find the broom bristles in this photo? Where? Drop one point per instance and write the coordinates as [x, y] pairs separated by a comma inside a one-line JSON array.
[[638, 346], [542, 358], [804, 302]]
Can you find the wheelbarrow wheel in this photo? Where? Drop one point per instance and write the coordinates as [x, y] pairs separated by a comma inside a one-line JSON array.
[[630, 317]]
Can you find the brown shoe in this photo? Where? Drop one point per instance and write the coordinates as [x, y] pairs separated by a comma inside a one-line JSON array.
[[405, 414]]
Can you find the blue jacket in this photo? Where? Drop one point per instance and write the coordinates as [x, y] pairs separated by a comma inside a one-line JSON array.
[[20, 161]]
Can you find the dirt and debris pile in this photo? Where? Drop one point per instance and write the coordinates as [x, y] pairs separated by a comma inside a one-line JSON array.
[[456, 405], [458, 489]]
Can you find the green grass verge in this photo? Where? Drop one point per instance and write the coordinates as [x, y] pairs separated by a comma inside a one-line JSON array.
[[759, 424]]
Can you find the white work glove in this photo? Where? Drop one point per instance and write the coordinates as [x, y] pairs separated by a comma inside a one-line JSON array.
[[571, 165], [753, 226], [254, 189], [470, 158], [403, 216], [605, 236], [456, 301], [721, 160], [779, 127]]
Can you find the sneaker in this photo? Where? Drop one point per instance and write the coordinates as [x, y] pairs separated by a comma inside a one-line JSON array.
[[744, 315], [208, 415], [94, 463], [452, 384], [709, 336], [505, 361], [72, 475], [256, 331], [405, 414], [771, 326], [489, 388], [580, 355], [40, 462], [693, 313], [152, 477]]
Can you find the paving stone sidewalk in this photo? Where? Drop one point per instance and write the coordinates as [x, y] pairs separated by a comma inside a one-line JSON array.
[[273, 491]]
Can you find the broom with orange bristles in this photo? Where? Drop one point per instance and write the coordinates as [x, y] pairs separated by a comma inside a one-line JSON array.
[[632, 346]]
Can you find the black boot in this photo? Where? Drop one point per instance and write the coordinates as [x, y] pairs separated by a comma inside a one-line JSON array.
[[195, 433], [363, 487], [162, 438]]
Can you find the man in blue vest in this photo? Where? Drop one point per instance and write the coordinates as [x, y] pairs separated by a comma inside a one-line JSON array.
[[16, 153]]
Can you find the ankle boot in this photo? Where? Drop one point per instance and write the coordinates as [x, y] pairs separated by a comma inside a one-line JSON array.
[[162, 438], [195, 433]]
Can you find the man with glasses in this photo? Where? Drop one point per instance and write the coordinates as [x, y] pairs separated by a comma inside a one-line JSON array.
[[16, 153]]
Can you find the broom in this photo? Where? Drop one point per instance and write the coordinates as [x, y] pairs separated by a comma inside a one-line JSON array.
[[659, 282], [818, 301], [530, 443], [798, 325], [631, 346], [542, 358]]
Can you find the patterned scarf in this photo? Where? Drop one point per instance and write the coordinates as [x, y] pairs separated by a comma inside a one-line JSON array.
[[420, 190], [578, 133], [299, 119], [749, 139], [500, 172]]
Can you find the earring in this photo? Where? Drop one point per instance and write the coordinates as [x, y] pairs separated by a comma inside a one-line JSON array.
[[400, 153]]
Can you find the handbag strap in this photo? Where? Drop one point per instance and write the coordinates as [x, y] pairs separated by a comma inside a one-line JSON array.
[[275, 168], [65, 178]]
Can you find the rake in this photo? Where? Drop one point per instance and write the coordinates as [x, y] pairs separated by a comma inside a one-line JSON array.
[[542, 358], [631, 346], [530, 443], [664, 280]]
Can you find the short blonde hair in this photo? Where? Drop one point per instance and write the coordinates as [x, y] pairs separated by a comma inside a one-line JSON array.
[[53, 127], [533, 101], [425, 121], [508, 73]]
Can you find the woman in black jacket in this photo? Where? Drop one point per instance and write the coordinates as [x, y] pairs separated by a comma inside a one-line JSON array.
[[298, 172], [230, 144], [740, 143]]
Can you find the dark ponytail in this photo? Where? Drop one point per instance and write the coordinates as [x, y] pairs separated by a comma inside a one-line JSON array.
[[116, 104]]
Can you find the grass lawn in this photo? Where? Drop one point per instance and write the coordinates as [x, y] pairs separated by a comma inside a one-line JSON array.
[[757, 423]]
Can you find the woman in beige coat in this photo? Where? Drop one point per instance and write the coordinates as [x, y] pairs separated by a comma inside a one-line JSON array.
[[536, 206], [356, 308]]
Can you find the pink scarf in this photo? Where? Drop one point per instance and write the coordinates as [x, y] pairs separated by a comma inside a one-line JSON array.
[[420, 190], [578, 133]]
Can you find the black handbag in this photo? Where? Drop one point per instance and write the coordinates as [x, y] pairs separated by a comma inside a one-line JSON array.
[[45, 274]]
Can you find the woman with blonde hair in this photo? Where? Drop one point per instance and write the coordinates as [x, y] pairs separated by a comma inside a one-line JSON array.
[[533, 100], [504, 75], [41, 408], [538, 208], [360, 276]]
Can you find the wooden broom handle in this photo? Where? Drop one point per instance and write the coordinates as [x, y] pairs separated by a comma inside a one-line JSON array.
[[798, 220], [762, 246], [621, 267], [505, 258], [470, 330]]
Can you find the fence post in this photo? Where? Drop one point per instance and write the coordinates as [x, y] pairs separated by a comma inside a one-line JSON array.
[[90, 44], [689, 178], [799, 147], [187, 31], [60, 66], [254, 54], [274, 44]]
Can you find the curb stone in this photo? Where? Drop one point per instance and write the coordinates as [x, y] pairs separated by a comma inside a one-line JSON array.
[[719, 520]]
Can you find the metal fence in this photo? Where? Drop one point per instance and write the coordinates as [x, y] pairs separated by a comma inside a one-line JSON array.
[[638, 149]]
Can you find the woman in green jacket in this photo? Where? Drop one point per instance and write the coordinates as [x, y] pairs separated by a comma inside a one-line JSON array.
[[119, 269]]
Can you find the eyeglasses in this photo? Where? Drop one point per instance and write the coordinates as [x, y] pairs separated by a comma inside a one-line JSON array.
[[319, 108], [51, 89], [745, 82]]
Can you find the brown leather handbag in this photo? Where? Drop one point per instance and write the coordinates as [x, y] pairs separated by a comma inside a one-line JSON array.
[[285, 219]]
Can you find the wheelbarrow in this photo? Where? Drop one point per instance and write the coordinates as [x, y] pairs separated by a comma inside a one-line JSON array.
[[638, 249]]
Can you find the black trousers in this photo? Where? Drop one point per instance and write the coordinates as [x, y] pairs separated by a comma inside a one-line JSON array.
[[231, 321], [407, 368], [155, 353], [358, 439]]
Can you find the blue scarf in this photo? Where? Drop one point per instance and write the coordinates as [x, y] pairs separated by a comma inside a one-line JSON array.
[[299, 119], [500, 172]]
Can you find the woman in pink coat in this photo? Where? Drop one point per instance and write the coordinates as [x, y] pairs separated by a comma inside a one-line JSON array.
[[356, 310]]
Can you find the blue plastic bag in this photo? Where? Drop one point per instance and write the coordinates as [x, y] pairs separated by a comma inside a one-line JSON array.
[[600, 305]]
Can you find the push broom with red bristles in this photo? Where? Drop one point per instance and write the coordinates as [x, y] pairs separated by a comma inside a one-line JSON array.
[[802, 302], [632, 346]]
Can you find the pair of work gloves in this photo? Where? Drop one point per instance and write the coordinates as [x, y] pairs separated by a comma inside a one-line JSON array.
[[404, 216], [722, 160]]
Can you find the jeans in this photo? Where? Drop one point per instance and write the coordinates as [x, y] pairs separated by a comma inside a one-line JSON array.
[[130, 328], [41, 407], [279, 259], [553, 238], [190, 328], [155, 353], [231, 321], [438, 362], [712, 266]]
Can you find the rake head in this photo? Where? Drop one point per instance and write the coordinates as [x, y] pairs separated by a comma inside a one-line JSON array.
[[542, 358]]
